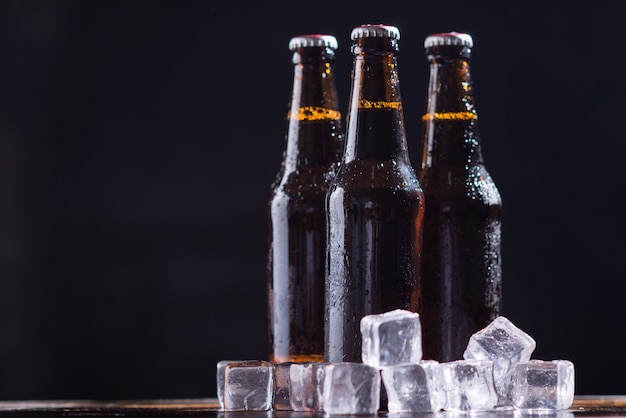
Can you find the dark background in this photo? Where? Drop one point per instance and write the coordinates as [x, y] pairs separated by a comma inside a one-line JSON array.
[[139, 139]]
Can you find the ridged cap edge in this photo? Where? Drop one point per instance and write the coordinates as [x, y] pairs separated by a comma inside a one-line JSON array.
[[375, 31], [313, 40], [449, 38]]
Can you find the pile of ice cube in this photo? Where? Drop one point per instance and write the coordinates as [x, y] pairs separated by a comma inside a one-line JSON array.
[[496, 373]]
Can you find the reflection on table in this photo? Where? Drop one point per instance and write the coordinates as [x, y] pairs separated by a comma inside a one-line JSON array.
[[584, 406]]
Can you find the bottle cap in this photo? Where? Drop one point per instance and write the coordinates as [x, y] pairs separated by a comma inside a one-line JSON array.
[[449, 38], [375, 31], [313, 40]]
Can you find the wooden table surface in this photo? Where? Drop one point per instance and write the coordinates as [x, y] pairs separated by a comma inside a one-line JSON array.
[[584, 406]]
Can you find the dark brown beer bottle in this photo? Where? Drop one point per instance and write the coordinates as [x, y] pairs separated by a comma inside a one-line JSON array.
[[296, 208], [461, 262], [375, 204]]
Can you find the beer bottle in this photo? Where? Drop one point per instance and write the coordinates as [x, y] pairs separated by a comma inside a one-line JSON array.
[[375, 204], [296, 212], [461, 263]]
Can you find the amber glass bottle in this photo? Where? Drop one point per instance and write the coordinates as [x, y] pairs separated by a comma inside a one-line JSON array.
[[461, 262], [375, 204], [296, 211]]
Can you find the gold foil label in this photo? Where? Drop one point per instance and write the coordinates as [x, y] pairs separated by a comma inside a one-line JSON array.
[[368, 104], [315, 113], [450, 116]]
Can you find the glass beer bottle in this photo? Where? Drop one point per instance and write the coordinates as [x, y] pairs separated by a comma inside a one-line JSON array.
[[461, 262], [374, 205], [296, 208]]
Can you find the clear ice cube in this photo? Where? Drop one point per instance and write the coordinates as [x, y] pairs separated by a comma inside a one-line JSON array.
[[351, 388], [247, 385], [468, 385], [220, 368], [506, 346], [543, 385], [414, 387], [306, 382], [391, 338], [280, 401]]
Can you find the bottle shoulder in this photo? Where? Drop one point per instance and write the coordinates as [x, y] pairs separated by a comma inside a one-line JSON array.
[[365, 176], [463, 184], [303, 182]]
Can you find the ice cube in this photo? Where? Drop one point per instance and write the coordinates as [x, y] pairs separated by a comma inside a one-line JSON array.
[[221, 366], [543, 385], [506, 346], [351, 388], [306, 382], [280, 401], [414, 387], [247, 385], [391, 338], [469, 385]]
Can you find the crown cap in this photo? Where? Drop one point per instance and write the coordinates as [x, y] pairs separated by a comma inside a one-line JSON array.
[[449, 38], [375, 31], [313, 40]]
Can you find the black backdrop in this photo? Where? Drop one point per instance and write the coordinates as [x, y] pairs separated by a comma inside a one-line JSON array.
[[139, 139]]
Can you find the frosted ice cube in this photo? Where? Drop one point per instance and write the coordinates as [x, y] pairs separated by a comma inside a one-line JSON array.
[[543, 385], [247, 385], [306, 382], [280, 401], [391, 338], [506, 346], [351, 388], [469, 385], [414, 387]]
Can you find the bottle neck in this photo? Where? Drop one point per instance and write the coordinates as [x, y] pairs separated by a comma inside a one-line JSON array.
[[314, 119], [375, 120], [450, 124]]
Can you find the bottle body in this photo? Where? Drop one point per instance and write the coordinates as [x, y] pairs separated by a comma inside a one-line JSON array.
[[297, 266], [461, 266], [374, 207], [296, 209], [461, 254], [374, 242]]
